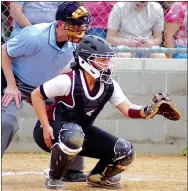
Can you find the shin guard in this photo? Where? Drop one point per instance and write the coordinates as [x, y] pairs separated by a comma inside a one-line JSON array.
[[71, 138]]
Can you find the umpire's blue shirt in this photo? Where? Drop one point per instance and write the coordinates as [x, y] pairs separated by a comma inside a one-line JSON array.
[[36, 58]]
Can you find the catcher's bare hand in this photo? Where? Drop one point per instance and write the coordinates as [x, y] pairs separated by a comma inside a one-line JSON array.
[[48, 136], [10, 93], [162, 105]]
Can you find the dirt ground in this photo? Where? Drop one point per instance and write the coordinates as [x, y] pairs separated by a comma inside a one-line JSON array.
[[147, 173]]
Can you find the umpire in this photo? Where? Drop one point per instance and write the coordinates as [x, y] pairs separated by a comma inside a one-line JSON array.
[[36, 55]]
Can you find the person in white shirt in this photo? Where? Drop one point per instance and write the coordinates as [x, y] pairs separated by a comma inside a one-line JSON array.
[[136, 24], [66, 128]]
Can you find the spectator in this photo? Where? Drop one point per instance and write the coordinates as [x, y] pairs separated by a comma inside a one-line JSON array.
[[136, 24], [30, 13], [176, 28], [166, 5], [99, 12]]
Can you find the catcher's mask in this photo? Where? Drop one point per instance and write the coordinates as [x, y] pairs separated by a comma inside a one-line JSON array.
[[76, 18], [94, 55]]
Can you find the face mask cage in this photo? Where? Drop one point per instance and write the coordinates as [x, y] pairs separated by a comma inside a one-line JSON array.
[[76, 27], [106, 70], [76, 31]]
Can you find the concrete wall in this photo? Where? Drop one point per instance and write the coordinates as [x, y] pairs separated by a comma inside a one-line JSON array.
[[140, 79]]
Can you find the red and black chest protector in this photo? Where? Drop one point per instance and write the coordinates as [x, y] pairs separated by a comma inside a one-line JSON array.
[[77, 107]]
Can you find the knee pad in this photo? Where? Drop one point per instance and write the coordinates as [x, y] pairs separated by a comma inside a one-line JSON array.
[[63, 153], [124, 156], [71, 136], [124, 153]]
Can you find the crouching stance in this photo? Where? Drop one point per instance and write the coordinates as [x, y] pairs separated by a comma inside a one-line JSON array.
[[66, 128], [115, 154]]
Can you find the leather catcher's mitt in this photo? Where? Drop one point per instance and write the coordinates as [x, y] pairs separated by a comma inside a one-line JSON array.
[[162, 105]]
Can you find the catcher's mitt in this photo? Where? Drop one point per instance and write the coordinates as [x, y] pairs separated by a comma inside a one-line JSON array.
[[162, 105]]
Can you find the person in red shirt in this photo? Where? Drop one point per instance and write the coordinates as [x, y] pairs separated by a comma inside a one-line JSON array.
[[99, 13]]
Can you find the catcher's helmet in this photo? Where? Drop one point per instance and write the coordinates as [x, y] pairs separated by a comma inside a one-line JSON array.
[[92, 47], [76, 18]]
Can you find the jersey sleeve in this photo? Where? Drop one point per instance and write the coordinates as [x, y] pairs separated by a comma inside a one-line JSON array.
[[159, 16], [118, 96], [58, 86]]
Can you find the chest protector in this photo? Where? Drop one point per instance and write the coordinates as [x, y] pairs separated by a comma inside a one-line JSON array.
[[79, 107]]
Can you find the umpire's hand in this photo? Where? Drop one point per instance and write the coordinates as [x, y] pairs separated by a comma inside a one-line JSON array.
[[11, 93]]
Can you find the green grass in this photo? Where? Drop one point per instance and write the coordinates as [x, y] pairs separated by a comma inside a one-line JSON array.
[[184, 153]]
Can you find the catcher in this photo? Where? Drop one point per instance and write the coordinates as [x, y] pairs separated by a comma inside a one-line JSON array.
[[67, 129]]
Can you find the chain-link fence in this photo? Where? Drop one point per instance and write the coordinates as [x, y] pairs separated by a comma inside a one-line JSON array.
[[6, 21], [131, 27]]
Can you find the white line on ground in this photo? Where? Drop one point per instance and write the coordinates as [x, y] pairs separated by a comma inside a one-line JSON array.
[[20, 173], [124, 177]]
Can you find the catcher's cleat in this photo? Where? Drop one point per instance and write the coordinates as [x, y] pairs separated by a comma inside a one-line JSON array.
[[74, 176], [97, 180], [162, 105], [70, 176], [54, 184]]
